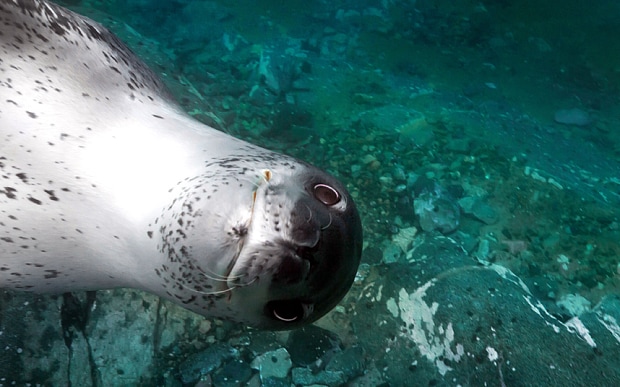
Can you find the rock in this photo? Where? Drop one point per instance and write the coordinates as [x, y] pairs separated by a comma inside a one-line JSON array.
[[478, 209], [436, 209], [275, 382], [467, 241], [418, 134], [305, 377], [602, 323], [202, 363], [233, 374], [350, 361], [552, 241], [404, 238], [391, 253], [459, 145], [150, 326], [280, 66], [337, 44], [446, 320], [411, 125], [467, 204], [573, 116], [311, 345], [540, 44], [273, 364], [371, 377], [483, 251], [574, 304]]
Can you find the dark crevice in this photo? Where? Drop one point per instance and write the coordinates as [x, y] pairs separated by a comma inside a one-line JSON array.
[[160, 324], [74, 317]]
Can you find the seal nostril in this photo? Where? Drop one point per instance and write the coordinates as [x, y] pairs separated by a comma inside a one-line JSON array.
[[326, 194], [292, 268], [306, 253], [286, 310]]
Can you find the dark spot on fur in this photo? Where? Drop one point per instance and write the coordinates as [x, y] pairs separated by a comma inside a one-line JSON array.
[[34, 200], [22, 176], [9, 192], [51, 194], [51, 274]]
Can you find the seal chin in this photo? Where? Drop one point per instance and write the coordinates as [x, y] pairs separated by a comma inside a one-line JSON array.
[[301, 253]]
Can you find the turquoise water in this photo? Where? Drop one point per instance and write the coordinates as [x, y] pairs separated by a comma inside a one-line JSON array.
[[481, 143]]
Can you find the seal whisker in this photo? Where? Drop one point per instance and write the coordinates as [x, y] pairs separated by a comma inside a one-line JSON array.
[[216, 292], [213, 293], [310, 212], [248, 283], [216, 277]]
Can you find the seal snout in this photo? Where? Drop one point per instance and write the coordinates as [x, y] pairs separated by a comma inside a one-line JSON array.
[[294, 267]]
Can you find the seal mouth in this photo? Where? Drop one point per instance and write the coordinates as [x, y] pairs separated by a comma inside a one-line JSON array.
[[307, 253], [241, 233], [295, 264], [231, 282]]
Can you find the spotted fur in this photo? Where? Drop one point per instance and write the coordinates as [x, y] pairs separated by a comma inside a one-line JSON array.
[[106, 183]]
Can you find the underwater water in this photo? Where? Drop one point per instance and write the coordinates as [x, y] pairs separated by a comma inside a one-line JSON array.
[[481, 142]]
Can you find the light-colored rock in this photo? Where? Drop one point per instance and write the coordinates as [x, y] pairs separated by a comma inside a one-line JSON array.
[[273, 364], [573, 116]]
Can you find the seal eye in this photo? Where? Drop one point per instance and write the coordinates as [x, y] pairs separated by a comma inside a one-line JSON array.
[[286, 310], [326, 194]]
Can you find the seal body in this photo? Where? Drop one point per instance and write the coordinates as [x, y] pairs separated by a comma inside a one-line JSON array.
[[107, 183]]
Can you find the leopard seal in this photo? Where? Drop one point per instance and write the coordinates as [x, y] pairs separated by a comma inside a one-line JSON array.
[[106, 183]]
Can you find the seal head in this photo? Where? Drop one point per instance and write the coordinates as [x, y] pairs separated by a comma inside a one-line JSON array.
[[278, 251]]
